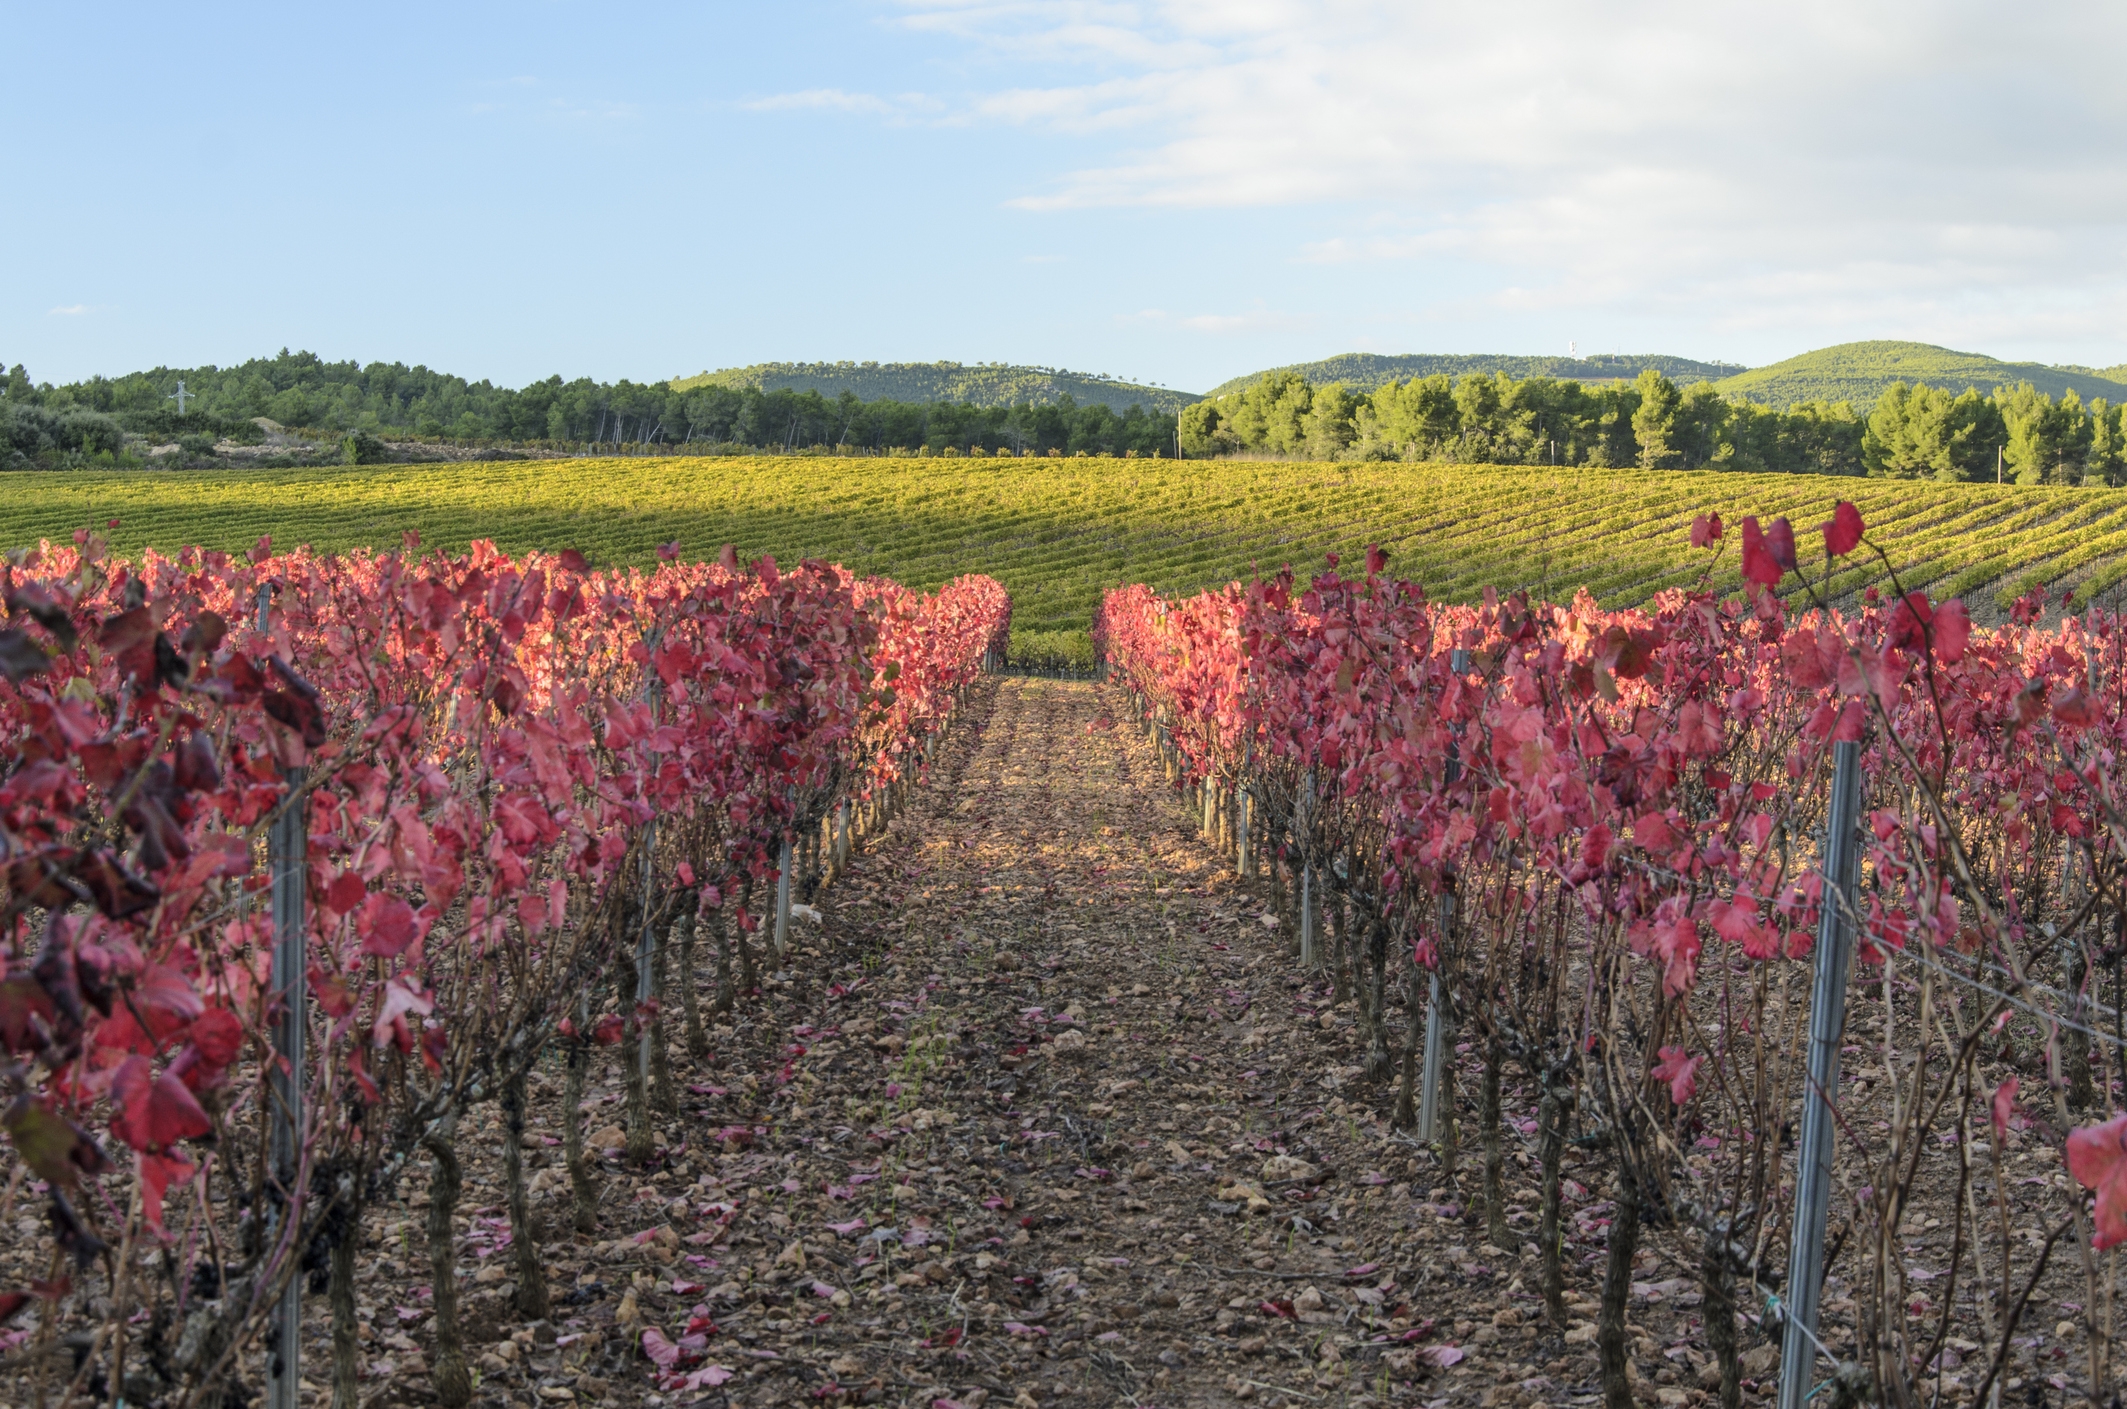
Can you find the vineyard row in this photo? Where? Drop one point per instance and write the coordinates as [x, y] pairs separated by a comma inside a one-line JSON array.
[[1597, 848], [306, 856], [1060, 534]]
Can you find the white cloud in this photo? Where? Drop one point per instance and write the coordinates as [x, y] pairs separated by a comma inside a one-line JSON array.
[[72, 310], [1823, 164], [836, 100], [833, 99]]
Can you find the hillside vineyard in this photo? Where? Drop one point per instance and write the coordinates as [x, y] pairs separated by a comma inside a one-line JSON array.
[[1059, 533]]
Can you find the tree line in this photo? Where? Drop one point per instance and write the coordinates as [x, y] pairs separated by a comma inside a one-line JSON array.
[[302, 391], [1920, 432], [2022, 433], [793, 419]]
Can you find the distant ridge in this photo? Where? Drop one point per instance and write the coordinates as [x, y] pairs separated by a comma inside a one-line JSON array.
[[1854, 372], [983, 384], [1365, 371], [1858, 372]]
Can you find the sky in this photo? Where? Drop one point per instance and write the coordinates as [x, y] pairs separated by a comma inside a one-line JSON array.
[[1174, 192]]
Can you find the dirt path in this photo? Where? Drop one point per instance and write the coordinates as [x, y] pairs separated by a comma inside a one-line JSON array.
[[1072, 1170], [1010, 1119]]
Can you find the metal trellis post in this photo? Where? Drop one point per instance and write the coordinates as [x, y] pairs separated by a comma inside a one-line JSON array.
[[645, 945], [782, 898], [645, 970], [1307, 874], [1435, 1038], [1307, 914], [287, 842], [1827, 1021]]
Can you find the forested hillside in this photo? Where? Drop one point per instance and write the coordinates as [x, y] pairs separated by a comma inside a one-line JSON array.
[[1860, 372], [2058, 426], [88, 422], [984, 384], [1365, 371], [1856, 372]]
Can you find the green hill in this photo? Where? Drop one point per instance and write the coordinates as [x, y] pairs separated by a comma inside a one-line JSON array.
[[1365, 371], [984, 384], [1858, 372]]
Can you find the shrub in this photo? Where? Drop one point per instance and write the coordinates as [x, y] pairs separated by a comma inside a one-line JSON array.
[[37, 433], [162, 423]]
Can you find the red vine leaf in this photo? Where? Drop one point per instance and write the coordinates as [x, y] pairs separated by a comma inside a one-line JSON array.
[[345, 893], [1842, 533], [2097, 1157], [387, 926], [1759, 564], [2003, 1103], [1680, 1072], [154, 1112]]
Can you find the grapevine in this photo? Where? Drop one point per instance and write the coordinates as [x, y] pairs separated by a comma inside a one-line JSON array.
[[516, 775], [1601, 829]]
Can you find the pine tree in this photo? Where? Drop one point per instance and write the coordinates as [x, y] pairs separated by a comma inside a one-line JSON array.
[[1655, 419]]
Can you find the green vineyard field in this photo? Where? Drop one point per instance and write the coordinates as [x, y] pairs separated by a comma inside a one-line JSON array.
[[1058, 532]]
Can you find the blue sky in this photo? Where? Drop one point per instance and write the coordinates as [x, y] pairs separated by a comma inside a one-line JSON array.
[[1177, 192]]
